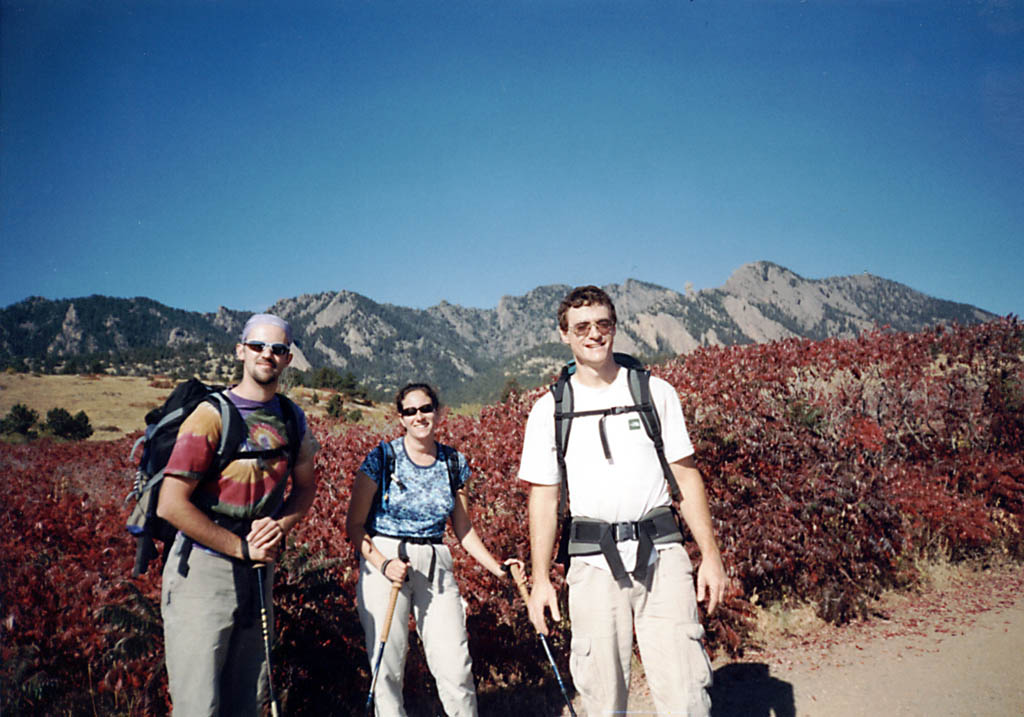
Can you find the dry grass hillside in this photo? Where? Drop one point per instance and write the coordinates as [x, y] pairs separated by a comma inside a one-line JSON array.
[[117, 405]]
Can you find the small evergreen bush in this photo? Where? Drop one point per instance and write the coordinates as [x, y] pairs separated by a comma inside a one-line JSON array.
[[19, 420], [335, 407], [61, 423]]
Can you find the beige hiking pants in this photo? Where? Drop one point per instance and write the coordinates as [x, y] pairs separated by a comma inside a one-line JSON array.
[[440, 621], [213, 635], [663, 611]]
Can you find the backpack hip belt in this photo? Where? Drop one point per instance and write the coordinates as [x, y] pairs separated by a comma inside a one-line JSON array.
[[658, 526], [415, 540], [238, 526], [403, 547]]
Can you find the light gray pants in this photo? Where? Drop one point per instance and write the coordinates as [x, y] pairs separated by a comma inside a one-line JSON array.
[[440, 621], [663, 611], [213, 636]]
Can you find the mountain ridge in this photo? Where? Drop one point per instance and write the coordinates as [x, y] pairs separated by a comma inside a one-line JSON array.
[[470, 352]]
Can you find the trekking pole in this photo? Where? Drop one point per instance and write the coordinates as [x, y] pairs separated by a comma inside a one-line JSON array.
[[396, 585], [261, 576], [517, 575]]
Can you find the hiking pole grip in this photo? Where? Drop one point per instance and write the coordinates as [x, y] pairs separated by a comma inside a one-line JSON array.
[[520, 578], [261, 577], [396, 586]]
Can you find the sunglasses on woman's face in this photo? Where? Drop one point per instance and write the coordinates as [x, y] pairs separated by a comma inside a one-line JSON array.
[[413, 410]]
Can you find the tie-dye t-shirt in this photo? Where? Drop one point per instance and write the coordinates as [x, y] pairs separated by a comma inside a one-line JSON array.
[[419, 498], [247, 487]]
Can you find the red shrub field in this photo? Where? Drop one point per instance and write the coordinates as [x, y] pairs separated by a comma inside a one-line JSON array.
[[832, 467]]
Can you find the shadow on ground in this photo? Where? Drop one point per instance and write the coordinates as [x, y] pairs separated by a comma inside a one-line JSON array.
[[740, 689], [521, 701], [747, 689]]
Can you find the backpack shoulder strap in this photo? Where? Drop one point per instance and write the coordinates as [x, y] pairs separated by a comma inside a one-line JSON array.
[[561, 390], [639, 379], [629, 362], [289, 412], [233, 430], [388, 466], [451, 458]]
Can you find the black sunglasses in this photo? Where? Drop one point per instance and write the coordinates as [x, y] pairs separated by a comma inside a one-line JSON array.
[[276, 349], [413, 410]]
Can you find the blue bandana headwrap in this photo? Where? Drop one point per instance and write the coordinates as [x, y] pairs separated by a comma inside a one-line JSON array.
[[258, 319]]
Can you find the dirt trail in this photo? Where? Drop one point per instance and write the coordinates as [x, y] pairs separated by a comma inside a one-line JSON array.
[[954, 649]]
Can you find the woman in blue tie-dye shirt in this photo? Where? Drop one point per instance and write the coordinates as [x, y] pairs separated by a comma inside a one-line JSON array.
[[404, 493]]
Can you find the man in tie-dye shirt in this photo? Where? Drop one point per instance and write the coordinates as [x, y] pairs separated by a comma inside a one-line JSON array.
[[227, 524]]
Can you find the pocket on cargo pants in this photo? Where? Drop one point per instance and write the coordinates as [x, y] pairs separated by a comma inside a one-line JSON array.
[[670, 635], [697, 671], [602, 635]]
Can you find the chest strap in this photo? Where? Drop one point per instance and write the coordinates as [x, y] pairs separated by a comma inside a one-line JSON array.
[[596, 537]]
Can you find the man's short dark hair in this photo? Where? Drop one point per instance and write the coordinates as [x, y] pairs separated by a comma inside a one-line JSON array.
[[583, 296]]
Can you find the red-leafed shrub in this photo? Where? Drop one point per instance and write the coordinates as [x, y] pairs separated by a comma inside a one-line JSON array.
[[831, 467], [65, 554], [831, 463]]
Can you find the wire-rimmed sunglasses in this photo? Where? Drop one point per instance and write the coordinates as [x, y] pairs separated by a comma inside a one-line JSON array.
[[410, 411], [604, 327], [276, 349]]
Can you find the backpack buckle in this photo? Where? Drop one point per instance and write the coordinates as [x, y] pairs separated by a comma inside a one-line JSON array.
[[624, 531]]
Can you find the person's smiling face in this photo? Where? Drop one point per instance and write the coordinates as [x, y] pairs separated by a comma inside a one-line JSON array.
[[420, 424], [590, 334], [264, 366]]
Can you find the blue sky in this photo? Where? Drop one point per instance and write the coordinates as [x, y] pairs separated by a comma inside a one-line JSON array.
[[236, 152]]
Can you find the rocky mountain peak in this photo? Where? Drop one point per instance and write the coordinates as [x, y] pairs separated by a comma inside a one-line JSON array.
[[470, 352]]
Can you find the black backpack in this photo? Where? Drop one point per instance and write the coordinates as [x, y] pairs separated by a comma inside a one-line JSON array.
[[162, 424], [639, 379]]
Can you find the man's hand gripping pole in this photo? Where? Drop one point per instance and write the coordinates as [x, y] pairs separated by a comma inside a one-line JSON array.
[[520, 578]]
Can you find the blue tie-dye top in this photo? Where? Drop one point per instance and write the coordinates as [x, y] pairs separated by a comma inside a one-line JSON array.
[[418, 499]]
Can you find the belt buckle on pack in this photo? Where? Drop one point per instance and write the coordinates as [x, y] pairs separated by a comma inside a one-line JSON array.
[[624, 531]]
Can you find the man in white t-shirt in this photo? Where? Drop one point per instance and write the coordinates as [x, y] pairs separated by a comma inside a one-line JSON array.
[[615, 480]]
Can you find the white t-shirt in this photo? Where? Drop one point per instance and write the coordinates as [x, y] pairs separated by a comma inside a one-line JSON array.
[[632, 482]]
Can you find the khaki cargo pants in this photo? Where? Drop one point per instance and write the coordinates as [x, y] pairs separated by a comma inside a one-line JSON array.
[[663, 611], [213, 635]]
